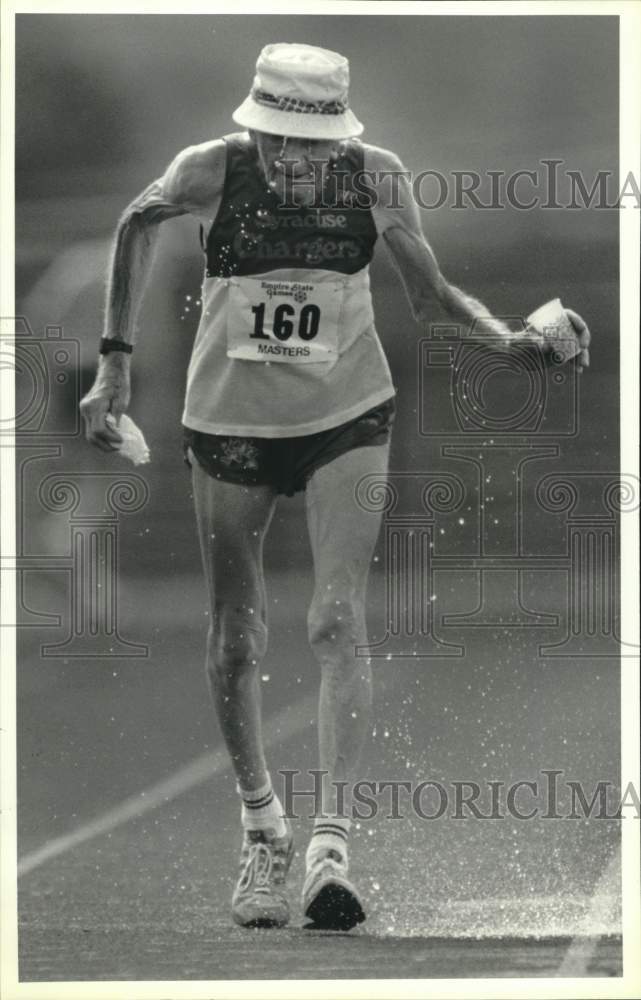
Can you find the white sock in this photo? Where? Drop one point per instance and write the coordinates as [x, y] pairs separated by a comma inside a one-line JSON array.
[[261, 810], [329, 835]]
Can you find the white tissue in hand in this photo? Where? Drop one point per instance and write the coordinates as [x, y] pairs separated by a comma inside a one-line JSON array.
[[134, 446], [552, 321]]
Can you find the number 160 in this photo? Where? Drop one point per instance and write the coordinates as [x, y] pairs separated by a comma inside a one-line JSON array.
[[283, 326]]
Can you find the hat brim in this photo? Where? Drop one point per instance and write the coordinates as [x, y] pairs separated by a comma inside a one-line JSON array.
[[256, 116]]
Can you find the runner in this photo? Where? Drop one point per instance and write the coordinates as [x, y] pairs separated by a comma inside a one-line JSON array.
[[288, 389]]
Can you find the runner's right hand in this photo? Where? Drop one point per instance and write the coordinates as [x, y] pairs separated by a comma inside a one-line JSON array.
[[110, 393]]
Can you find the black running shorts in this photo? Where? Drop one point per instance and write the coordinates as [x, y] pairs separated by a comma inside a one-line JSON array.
[[285, 463]]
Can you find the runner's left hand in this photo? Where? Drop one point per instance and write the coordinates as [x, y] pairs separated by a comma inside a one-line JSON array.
[[583, 337]]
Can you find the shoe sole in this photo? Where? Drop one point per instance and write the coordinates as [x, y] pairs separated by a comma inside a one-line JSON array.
[[335, 907]]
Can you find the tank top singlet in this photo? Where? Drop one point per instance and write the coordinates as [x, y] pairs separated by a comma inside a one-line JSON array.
[[286, 344]]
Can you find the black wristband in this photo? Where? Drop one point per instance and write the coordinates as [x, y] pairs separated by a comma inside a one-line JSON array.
[[109, 344]]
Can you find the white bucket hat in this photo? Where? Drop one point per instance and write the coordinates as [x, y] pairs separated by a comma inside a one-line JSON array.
[[300, 90]]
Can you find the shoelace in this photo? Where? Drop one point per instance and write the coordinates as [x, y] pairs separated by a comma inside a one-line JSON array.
[[258, 868], [329, 859], [330, 864]]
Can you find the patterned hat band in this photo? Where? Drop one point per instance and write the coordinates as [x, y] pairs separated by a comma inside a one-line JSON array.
[[299, 106]]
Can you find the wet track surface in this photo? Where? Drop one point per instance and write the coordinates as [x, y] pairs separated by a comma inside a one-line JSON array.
[[145, 895], [296, 954]]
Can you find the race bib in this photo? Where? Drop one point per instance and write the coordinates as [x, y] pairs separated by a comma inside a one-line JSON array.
[[295, 322]]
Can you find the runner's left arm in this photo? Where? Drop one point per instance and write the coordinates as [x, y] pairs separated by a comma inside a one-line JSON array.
[[398, 220]]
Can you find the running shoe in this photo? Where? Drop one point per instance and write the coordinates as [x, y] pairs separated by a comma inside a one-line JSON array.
[[259, 899], [330, 901]]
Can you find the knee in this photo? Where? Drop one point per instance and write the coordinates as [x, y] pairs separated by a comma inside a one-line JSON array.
[[334, 623], [236, 644]]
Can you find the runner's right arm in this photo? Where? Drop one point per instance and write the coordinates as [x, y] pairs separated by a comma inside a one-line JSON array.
[[193, 184]]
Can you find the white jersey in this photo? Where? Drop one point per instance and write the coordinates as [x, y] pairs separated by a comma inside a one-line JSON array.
[[290, 350]]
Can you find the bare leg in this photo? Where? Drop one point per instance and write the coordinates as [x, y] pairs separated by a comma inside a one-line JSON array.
[[232, 522], [343, 536]]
